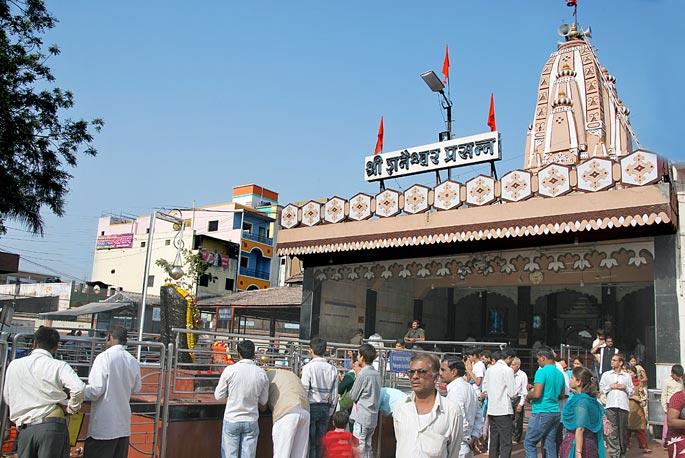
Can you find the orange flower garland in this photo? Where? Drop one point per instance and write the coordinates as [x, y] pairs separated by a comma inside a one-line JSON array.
[[193, 317]]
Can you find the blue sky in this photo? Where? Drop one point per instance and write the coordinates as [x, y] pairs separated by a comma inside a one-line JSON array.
[[199, 97]]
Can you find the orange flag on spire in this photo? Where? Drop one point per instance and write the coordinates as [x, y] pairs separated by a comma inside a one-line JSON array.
[[379, 142], [446, 65], [491, 114]]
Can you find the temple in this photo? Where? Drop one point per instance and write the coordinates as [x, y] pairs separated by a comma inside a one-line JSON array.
[[583, 236]]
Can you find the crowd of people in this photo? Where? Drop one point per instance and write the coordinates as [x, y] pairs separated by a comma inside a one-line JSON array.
[[42, 392], [457, 406]]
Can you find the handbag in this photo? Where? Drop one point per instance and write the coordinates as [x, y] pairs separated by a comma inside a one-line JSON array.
[[346, 402]]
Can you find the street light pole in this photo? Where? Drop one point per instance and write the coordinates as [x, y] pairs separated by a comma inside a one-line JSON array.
[[146, 274], [435, 85]]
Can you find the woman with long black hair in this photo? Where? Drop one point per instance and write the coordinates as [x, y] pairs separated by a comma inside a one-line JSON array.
[[582, 418]]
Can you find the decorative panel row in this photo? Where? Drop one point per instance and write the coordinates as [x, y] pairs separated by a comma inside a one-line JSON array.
[[638, 169]]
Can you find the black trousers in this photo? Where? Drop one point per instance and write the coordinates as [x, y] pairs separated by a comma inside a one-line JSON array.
[[113, 448], [517, 425], [500, 436]]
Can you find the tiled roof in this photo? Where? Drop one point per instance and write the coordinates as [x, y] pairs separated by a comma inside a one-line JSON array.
[[288, 296]]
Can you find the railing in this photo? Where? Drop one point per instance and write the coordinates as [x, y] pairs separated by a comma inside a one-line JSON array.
[[254, 273], [80, 352], [258, 238], [174, 373]]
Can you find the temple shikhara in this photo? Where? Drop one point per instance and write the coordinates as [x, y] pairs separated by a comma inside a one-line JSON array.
[[583, 236]]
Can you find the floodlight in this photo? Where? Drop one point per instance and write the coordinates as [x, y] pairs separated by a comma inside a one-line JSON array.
[[432, 80]]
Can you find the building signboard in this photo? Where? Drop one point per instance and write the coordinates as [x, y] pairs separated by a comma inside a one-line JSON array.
[[106, 242], [457, 152]]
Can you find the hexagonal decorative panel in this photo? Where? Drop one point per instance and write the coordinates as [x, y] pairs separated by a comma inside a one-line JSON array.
[[480, 190], [289, 216], [595, 174], [387, 203], [447, 195], [553, 181], [639, 168], [516, 186], [334, 210], [416, 199], [360, 207], [311, 213]]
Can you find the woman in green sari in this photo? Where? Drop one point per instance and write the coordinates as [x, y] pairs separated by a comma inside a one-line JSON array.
[[582, 419]]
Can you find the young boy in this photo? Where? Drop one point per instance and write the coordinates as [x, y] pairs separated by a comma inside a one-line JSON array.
[[339, 443], [366, 394]]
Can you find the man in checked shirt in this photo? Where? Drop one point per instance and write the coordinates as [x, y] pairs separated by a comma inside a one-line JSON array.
[[320, 381]]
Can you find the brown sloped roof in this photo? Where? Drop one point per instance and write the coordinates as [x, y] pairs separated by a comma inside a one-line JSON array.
[[288, 296]]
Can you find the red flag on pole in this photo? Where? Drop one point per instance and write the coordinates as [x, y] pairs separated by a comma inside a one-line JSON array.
[[446, 65], [379, 142], [491, 114]]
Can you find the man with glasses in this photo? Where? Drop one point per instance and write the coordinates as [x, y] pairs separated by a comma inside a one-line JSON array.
[[426, 424], [617, 386], [114, 377]]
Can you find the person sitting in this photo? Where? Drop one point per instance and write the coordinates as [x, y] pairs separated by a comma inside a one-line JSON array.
[[414, 334]]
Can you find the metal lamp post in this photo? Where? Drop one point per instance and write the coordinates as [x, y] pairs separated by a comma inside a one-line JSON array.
[[435, 85], [176, 273]]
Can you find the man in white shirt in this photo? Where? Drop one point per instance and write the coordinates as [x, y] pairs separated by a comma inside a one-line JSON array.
[[618, 386], [452, 372], [115, 375], [519, 402], [35, 393], [500, 387], [320, 381], [426, 424], [246, 387]]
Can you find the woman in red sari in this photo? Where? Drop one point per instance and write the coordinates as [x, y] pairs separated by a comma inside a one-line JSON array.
[[676, 425]]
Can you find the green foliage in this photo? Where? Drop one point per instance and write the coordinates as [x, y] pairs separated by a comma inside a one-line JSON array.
[[193, 267], [35, 143]]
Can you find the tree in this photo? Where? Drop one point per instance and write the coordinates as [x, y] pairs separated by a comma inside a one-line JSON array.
[[36, 144]]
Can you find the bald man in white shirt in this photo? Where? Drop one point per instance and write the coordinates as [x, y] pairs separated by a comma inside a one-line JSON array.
[[34, 390]]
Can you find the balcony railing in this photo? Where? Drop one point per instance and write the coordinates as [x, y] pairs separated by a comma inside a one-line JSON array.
[[254, 273], [258, 238]]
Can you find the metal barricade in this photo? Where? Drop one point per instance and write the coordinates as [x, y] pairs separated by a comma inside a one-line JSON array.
[[80, 352]]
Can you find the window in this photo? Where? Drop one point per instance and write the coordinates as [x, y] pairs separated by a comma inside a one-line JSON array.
[[213, 226], [102, 232], [147, 231], [243, 262], [262, 232], [150, 281], [247, 228], [167, 242], [204, 280], [142, 244], [229, 284]]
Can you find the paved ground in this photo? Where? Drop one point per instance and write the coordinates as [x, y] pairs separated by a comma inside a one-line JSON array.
[[634, 452]]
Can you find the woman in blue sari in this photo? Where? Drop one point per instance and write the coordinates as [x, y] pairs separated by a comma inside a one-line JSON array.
[[582, 419]]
